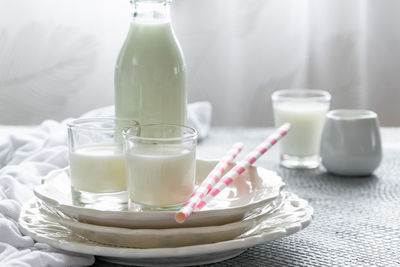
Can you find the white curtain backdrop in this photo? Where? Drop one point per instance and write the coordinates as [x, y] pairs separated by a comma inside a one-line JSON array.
[[57, 57]]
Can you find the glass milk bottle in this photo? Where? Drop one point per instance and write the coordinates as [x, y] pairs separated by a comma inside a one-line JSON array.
[[150, 76]]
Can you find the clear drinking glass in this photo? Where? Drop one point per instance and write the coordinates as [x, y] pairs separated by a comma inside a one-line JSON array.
[[305, 109], [97, 163], [161, 165]]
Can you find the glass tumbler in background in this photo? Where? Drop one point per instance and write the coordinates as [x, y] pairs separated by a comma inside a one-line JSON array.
[[305, 109], [97, 163], [161, 165]]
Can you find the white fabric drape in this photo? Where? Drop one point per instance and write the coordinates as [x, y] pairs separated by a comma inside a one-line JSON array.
[[57, 57], [27, 154]]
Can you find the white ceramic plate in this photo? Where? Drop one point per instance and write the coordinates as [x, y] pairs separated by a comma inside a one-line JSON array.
[[164, 238], [293, 216], [253, 189]]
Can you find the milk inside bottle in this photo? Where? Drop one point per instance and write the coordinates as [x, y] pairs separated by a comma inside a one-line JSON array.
[[150, 77]]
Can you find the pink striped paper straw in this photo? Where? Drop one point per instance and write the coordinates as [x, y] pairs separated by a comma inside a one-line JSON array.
[[208, 183], [228, 178]]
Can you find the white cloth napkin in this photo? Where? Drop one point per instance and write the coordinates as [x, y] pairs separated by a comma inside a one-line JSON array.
[[26, 155]]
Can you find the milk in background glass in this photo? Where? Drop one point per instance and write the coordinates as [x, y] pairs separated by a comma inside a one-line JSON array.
[[305, 109], [162, 175], [307, 120]]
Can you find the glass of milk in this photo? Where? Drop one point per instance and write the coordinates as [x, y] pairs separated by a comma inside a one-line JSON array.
[[305, 109], [97, 163], [161, 165]]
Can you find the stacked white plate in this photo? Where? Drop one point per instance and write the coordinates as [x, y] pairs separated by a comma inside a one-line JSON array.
[[253, 210]]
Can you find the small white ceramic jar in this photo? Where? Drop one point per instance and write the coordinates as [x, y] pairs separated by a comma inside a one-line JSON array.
[[351, 142]]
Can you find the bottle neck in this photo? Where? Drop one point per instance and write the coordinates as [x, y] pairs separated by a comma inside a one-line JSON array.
[[150, 11]]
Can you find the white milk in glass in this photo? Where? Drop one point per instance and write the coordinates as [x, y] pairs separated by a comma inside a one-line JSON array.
[[98, 169], [161, 176], [150, 77], [307, 121]]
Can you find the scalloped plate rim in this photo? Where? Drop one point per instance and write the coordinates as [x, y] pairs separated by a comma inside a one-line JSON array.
[[151, 253]]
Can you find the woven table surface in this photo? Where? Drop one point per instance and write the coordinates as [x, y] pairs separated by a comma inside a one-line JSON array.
[[356, 220]]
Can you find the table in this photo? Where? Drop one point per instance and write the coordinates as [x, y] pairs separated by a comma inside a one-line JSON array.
[[356, 222]]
